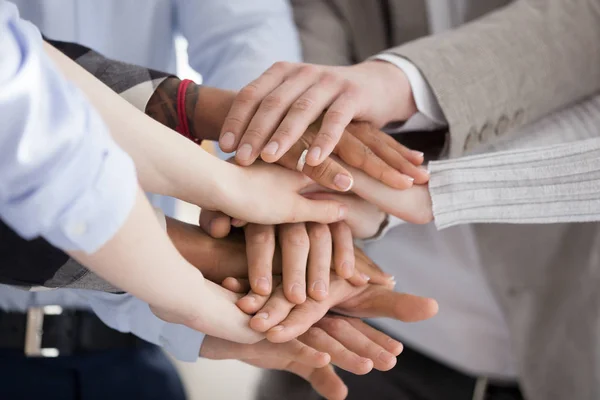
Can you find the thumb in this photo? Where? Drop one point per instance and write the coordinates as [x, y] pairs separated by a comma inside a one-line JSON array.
[[215, 223]]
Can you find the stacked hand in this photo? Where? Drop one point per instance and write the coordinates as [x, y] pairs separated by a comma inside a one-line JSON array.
[[349, 343], [273, 112]]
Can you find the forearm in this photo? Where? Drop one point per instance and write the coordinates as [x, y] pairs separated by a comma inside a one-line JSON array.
[[206, 107], [152, 146]]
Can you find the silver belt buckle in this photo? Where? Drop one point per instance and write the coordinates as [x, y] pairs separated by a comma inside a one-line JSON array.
[[481, 386], [34, 331]]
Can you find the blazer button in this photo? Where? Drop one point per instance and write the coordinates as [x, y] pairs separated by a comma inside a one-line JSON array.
[[470, 139], [486, 132], [518, 118], [502, 125]]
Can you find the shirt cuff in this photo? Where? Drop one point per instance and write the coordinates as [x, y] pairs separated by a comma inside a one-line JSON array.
[[126, 313], [429, 115]]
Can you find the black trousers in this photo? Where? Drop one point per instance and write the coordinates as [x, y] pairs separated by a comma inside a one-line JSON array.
[[142, 372], [415, 377]]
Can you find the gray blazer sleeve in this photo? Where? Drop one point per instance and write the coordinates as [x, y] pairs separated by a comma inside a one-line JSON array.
[[510, 67], [523, 182]]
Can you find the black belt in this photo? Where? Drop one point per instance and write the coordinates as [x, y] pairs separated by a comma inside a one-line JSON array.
[[51, 331], [481, 388]]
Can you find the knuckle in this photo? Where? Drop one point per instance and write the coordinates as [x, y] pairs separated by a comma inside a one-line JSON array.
[[335, 325], [328, 136], [303, 104], [320, 172], [263, 237], [335, 116], [297, 238], [271, 102], [319, 232], [328, 78], [249, 94], [279, 67], [232, 120], [315, 333], [253, 134], [284, 132], [308, 69]]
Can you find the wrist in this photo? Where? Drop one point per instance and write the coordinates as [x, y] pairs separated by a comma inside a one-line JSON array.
[[394, 88], [211, 108]]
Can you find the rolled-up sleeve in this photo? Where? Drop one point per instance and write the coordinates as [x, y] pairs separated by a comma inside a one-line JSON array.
[[126, 313], [62, 175]]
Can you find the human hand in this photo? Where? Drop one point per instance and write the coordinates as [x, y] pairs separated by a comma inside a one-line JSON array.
[[351, 345], [270, 194], [307, 249], [297, 94], [282, 320], [209, 107]]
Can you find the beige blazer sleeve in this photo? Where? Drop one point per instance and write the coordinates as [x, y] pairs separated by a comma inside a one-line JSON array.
[[510, 67]]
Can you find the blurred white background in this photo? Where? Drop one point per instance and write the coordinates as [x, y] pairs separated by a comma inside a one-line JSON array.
[[206, 379]]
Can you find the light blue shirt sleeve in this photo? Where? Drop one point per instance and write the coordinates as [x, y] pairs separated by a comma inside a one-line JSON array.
[[61, 174], [232, 42], [126, 313]]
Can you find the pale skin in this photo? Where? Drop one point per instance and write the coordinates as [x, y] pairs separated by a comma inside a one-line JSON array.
[[271, 113]]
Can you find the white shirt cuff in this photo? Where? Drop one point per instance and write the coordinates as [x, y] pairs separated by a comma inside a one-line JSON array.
[[429, 115]]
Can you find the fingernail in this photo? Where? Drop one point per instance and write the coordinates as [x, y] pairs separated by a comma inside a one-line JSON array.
[[237, 222], [418, 153], [365, 277], [391, 278], [425, 170], [313, 155], [343, 182], [263, 284], [410, 178], [227, 140], [277, 328], [297, 290], [252, 299], [244, 153], [347, 268], [319, 286], [262, 315], [385, 357], [271, 148]]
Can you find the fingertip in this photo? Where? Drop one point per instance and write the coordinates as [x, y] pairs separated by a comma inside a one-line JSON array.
[[260, 323], [247, 304], [343, 182], [346, 270], [394, 347], [323, 359], [262, 286], [364, 367], [313, 158], [244, 156], [227, 141]]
